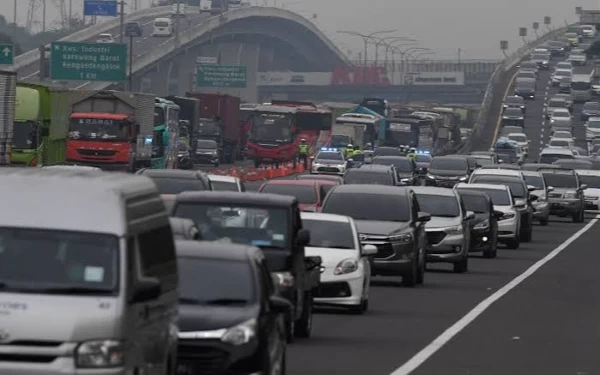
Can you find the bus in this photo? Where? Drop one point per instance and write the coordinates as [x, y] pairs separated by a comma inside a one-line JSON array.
[[165, 139], [403, 131]]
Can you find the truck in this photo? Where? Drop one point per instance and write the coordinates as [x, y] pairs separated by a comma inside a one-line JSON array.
[[220, 121], [41, 124], [165, 134], [111, 130], [345, 133], [189, 117], [8, 81]]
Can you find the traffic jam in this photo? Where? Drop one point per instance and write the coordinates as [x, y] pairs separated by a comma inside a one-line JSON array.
[[164, 262]]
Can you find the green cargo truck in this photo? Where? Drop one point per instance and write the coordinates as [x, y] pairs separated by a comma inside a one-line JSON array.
[[41, 125]]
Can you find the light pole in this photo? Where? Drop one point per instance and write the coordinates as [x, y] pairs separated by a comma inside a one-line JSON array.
[[14, 28], [392, 41], [409, 51], [122, 21], [366, 38], [418, 56]]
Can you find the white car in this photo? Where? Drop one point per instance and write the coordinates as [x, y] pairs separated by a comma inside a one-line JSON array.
[[561, 119], [577, 58], [561, 143], [329, 161], [560, 74], [509, 225], [564, 65], [554, 103], [105, 38], [592, 128], [521, 140], [563, 134], [589, 31], [592, 194], [345, 270], [226, 183]]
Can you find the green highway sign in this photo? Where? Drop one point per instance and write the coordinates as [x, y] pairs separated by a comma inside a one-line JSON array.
[[7, 54], [106, 62], [211, 75]]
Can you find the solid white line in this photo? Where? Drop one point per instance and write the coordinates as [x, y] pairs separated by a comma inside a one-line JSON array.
[[457, 327]]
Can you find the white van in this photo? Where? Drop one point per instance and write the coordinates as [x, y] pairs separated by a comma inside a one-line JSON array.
[[162, 27], [581, 87], [89, 279], [178, 9], [205, 6]]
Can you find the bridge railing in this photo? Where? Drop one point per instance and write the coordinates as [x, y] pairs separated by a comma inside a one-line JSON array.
[[500, 75], [31, 57]]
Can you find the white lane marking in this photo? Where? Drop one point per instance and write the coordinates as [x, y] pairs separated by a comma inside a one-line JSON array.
[[460, 325]]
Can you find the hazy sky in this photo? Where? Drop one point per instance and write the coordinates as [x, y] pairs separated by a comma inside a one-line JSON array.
[[474, 26]]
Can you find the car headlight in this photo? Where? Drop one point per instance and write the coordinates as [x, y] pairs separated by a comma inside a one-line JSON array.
[[505, 106], [431, 176], [402, 238], [284, 279], [454, 230], [341, 166], [405, 179], [463, 178], [483, 225], [99, 354], [241, 334], [552, 121], [570, 195], [520, 118], [346, 266], [507, 216]]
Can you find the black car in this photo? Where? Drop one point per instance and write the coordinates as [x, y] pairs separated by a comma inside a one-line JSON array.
[[513, 116], [207, 152], [514, 101], [525, 88], [520, 193], [185, 158], [557, 48], [447, 171], [484, 227], [389, 218], [173, 181], [542, 60], [564, 86], [371, 174], [387, 151], [271, 222], [590, 109], [423, 163], [227, 289], [405, 168]]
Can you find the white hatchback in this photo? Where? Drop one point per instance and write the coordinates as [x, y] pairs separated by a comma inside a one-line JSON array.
[[345, 271]]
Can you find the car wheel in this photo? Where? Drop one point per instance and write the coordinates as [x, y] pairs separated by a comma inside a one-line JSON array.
[[514, 243], [527, 235], [290, 325], [579, 217], [491, 251], [304, 327], [544, 222], [421, 272], [462, 265], [410, 279]]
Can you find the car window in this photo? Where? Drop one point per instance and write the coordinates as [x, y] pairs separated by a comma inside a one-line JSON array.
[[366, 206], [306, 194], [513, 112], [451, 164], [224, 186], [170, 185], [517, 188], [560, 180], [475, 203], [591, 181], [329, 234], [439, 205], [498, 197], [356, 176]]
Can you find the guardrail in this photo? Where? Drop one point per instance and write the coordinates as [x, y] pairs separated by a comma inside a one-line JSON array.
[[31, 57], [498, 76]]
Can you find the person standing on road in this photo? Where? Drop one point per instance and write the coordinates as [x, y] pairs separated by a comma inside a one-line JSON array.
[[303, 153]]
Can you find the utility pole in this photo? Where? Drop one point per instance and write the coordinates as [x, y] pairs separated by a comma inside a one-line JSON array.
[[459, 51], [44, 16], [70, 14], [177, 17], [121, 26], [14, 28]]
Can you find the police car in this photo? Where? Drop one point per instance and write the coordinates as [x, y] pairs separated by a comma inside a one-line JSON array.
[[329, 161]]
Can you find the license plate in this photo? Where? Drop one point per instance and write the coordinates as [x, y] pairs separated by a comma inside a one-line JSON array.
[[185, 369]]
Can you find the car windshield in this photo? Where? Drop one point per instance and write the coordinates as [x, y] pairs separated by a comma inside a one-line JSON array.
[[526, 74], [329, 234], [563, 73], [402, 164], [449, 164], [475, 203], [595, 106], [517, 138], [206, 144], [592, 182], [559, 143], [562, 114], [564, 66], [356, 176], [245, 225], [161, 24], [58, 262], [571, 35], [498, 197], [557, 103], [484, 160], [306, 194], [536, 181], [539, 57], [574, 164], [365, 206], [515, 99], [386, 151], [330, 156], [439, 205], [513, 112], [549, 158], [169, 185], [423, 158], [595, 124], [205, 281], [517, 188], [562, 134], [224, 186], [529, 65], [560, 180]]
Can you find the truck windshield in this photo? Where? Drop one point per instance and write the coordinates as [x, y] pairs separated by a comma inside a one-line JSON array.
[[263, 227], [313, 121], [24, 135], [340, 140], [58, 262], [159, 116], [98, 129], [271, 127]]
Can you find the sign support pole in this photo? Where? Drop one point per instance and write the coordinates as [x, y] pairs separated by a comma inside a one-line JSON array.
[[122, 4], [130, 78]]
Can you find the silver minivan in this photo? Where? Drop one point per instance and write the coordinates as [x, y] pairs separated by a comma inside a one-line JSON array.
[[88, 275]]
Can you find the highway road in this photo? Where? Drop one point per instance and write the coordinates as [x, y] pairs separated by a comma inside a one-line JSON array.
[[142, 45]]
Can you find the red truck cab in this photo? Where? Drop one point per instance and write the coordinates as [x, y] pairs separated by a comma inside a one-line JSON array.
[[103, 140]]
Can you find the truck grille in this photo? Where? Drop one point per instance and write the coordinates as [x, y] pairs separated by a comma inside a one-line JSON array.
[[86, 152], [435, 237], [203, 359]]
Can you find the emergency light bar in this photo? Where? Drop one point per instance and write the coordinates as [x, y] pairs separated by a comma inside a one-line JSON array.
[[329, 149], [423, 152]]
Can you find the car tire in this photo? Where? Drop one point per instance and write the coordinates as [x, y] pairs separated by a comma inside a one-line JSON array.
[[579, 217], [462, 266], [492, 251], [544, 222], [290, 325], [527, 235], [303, 327], [421, 272], [514, 243]]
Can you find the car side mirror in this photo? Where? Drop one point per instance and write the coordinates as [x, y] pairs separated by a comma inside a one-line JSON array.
[[550, 188], [498, 214], [531, 188], [279, 305], [303, 238], [583, 186], [470, 215], [533, 197], [368, 250], [313, 262], [146, 290], [423, 217]]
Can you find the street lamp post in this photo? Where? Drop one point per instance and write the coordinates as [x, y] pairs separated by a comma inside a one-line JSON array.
[[386, 42], [366, 38], [410, 43], [410, 51]]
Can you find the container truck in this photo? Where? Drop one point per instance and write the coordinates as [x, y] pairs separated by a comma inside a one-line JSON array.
[[189, 117], [111, 130], [41, 124], [220, 121]]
